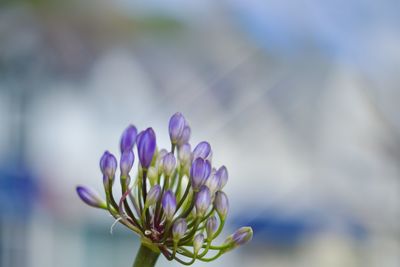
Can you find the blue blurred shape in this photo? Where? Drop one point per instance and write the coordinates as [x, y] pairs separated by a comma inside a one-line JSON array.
[[279, 230], [272, 228], [17, 191]]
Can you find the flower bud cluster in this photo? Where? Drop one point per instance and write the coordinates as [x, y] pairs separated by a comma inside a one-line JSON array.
[[176, 202]]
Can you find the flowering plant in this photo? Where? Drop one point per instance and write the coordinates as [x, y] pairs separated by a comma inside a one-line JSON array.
[[175, 203]]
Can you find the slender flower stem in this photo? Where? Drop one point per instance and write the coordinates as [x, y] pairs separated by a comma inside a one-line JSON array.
[[145, 257], [144, 185]]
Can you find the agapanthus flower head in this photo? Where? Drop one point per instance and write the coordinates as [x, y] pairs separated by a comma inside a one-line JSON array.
[[174, 200]]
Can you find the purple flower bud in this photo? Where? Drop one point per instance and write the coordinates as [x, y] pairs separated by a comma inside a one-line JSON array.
[[185, 154], [202, 150], [128, 138], [126, 163], [169, 163], [169, 204], [162, 153], [199, 172], [159, 160], [179, 229], [146, 143], [90, 197], [203, 201], [222, 173], [176, 126], [221, 204], [153, 196], [240, 237], [108, 165], [185, 136], [211, 226], [213, 182], [198, 242]]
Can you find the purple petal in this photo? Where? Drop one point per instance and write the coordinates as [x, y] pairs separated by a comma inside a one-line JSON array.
[[202, 150], [108, 164], [222, 174], [185, 136], [176, 127], [128, 138], [242, 236], [198, 242], [179, 229], [90, 197], [221, 203], [169, 204], [213, 182], [185, 153], [211, 226], [203, 200], [169, 163], [146, 143], [154, 195], [199, 172], [126, 163]]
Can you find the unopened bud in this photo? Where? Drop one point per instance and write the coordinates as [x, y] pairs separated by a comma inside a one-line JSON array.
[[203, 201], [198, 242], [90, 197], [169, 204], [169, 163], [211, 227], [153, 196], [126, 163], [199, 172], [240, 237], [146, 145], [221, 204], [202, 150], [179, 229], [128, 138], [108, 166]]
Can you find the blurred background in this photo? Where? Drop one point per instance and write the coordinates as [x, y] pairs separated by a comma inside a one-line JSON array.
[[299, 99]]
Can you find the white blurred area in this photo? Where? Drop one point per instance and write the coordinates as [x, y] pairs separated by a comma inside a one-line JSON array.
[[299, 102]]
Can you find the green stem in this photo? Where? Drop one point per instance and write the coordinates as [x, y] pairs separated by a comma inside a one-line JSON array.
[[145, 257]]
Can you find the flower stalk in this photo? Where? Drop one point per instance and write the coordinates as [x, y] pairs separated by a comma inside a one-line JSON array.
[[146, 257]]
